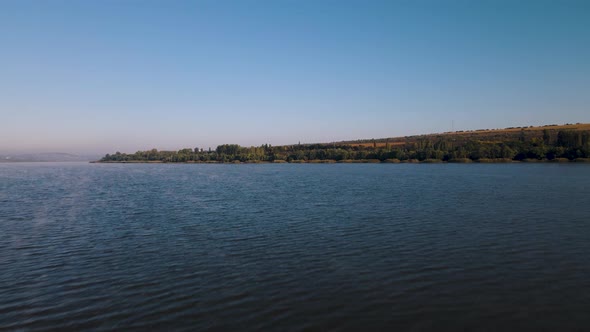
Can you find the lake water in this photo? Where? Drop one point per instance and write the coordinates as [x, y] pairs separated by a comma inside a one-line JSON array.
[[295, 247]]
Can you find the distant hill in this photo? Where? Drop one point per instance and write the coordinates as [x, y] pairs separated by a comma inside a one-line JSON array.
[[569, 142], [481, 135], [45, 157]]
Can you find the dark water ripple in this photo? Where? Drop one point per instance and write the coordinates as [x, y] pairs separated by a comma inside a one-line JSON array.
[[294, 247]]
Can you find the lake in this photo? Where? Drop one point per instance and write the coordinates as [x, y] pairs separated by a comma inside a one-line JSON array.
[[292, 247]]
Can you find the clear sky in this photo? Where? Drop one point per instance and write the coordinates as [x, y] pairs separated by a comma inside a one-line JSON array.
[[101, 76]]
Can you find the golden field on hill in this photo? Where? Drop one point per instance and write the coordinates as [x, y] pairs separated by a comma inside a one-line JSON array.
[[484, 135]]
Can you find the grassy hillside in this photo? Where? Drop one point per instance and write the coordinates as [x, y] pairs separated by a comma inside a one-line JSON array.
[[482, 135]]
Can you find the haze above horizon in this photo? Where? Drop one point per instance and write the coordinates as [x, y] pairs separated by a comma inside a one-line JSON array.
[[97, 77]]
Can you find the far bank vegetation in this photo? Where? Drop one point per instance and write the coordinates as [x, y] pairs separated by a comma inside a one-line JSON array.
[[528, 144]]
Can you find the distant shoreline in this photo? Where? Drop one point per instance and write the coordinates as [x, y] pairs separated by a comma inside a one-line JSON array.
[[551, 143], [578, 160]]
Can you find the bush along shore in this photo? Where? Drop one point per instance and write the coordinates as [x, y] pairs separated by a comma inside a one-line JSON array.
[[554, 146]]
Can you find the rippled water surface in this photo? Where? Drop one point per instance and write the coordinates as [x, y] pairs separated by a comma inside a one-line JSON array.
[[294, 247]]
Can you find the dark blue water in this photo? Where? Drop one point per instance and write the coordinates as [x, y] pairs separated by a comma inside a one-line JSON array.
[[294, 247]]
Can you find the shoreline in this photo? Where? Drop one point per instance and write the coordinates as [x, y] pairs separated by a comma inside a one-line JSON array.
[[363, 161]]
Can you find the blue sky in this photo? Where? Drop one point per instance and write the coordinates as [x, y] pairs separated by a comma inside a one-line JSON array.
[[101, 76]]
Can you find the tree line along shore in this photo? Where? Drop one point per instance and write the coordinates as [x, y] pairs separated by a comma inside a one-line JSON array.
[[549, 143]]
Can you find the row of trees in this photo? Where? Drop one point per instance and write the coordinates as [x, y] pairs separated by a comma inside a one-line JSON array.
[[549, 146]]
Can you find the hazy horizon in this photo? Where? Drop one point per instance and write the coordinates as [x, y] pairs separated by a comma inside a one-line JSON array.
[[176, 148], [100, 77]]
